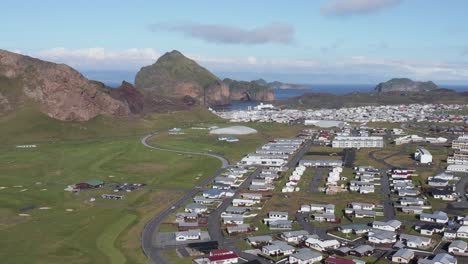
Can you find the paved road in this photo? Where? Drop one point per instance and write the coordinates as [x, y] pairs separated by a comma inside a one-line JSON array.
[[152, 226], [389, 210], [314, 183]]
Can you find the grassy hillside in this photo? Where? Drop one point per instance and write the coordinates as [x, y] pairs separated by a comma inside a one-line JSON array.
[[31, 126]]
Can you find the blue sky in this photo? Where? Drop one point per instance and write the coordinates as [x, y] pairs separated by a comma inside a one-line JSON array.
[[323, 41]]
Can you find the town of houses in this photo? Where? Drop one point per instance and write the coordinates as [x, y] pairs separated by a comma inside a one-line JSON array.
[[384, 113], [401, 226]]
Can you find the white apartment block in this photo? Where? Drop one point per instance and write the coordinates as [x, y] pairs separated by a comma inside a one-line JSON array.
[[358, 142]]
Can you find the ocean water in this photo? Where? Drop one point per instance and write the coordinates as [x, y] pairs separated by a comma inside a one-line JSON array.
[[324, 88], [342, 89]]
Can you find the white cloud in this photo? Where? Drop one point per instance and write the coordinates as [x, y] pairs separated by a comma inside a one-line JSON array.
[[353, 7], [100, 58], [281, 33], [251, 60]]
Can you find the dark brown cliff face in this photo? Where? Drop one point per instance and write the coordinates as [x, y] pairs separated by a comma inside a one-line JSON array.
[[134, 99], [249, 91], [141, 102], [59, 91]]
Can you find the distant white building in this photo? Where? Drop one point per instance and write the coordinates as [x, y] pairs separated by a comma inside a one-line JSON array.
[[457, 168], [263, 106], [423, 156], [357, 142]]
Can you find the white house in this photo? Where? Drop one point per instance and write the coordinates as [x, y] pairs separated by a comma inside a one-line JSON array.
[[322, 245], [193, 234], [403, 255], [276, 215], [326, 208], [243, 202], [458, 247], [381, 236], [305, 256], [362, 206], [195, 208], [294, 236], [259, 240], [278, 248], [412, 241], [462, 232], [391, 225], [436, 217], [441, 258]]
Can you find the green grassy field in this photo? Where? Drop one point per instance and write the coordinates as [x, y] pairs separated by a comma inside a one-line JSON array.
[[99, 232], [201, 140], [70, 228]]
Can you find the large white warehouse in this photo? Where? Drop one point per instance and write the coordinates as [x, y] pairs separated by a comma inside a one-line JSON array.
[[423, 156]]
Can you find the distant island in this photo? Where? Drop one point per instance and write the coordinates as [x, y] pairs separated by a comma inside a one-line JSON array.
[[276, 85], [393, 91], [405, 85]]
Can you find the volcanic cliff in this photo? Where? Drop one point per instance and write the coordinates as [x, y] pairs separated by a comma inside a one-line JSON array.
[[175, 76], [56, 89]]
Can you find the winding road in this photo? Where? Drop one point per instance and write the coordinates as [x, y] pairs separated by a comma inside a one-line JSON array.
[[152, 226]]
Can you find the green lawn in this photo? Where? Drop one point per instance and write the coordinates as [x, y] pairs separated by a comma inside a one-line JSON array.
[[105, 241], [106, 149], [99, 232]]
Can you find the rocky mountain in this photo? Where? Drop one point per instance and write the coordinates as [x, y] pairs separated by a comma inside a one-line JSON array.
[[405, 85], [248, 91], [175, 76], [55, 89], [280, 85]]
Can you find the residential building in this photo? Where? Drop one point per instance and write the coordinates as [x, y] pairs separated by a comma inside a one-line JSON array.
[[462, 232], [278, 248], [294, 236], [458, 247], [222, 256], [403, 255], [354, 228], [412, 241], [436, 217], [193, 234], [362, 251], [322, 245], [305, 256], [378, 236], [256, 241], [441, 258], [391, 225]]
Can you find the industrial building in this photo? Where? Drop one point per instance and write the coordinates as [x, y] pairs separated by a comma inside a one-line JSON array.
[[423, 156]]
